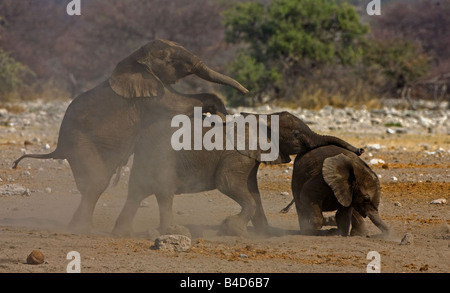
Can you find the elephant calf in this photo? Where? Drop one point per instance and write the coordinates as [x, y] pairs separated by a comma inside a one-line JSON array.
[[332, 178], [159, 169]]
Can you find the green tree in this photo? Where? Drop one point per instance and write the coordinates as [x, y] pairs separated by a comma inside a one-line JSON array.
[[286, 39], [12, 73], [401, 61]]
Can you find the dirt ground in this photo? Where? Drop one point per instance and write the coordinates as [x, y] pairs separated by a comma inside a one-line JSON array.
[[38, 221]]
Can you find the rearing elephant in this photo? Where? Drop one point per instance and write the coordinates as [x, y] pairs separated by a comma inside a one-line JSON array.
[[101, 126]]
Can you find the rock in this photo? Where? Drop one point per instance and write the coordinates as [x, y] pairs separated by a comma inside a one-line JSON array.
[[173, 243], [14, 189], [390, 131], [35, 258], [438, 201], [46, 147], [48, 190], [284, 193], [407, 239], [393, 178], [375, 146], [375, 161], [397, 204]]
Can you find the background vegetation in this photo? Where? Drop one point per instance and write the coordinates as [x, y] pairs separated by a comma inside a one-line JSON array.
[[306, 53]]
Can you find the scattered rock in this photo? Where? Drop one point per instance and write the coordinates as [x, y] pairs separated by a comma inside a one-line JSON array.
[[397, 204], [393, 178], [35, 258], [284, 193], [14, 189], [173, 243], [376, 161], [407, 239], [375, 146], [438, 201]]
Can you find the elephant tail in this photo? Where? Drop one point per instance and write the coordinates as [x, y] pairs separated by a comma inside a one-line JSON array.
[[53, 155]]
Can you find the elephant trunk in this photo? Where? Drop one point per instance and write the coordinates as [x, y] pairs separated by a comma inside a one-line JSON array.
[[203, 71], [375, 218], [323, 140]]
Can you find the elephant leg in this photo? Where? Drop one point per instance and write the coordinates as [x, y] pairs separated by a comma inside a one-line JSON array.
[[237, 225], [165, 203], [259, 219], [91, 178], [139, 187], [358, 225], [343, 219], [309, 210]]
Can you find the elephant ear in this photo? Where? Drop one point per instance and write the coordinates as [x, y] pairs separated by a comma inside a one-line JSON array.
[[367, 180], [336, 172], [257, 143], [132, 78]]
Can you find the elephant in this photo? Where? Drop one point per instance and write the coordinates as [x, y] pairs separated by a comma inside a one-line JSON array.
[[101, 126], [332, 178], [160, 170]]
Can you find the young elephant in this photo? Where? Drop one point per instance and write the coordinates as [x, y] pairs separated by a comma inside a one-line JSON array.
[[159, 169], [332, 178]]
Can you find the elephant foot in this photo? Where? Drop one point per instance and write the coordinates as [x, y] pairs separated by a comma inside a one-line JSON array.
[[358, 232], [233, 226]]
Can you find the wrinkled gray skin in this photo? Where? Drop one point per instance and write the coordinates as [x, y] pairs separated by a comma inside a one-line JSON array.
[[160, 170], [331, 178], [101, 126]]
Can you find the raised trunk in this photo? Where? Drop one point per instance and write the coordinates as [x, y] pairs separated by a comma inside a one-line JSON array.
[[201, 70], [375, 218]]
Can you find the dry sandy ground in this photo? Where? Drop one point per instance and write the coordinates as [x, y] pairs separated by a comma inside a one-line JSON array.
[[38, 221]]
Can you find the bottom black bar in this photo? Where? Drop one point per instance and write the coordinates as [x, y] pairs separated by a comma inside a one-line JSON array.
[[220, 282]]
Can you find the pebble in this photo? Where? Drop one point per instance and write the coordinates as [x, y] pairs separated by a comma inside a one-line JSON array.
[[35, 258], [407, 239], [284, 193], [375, 146], [376, 161], [438, 201], [14, 189], [173, 243]]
